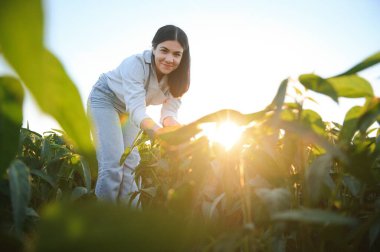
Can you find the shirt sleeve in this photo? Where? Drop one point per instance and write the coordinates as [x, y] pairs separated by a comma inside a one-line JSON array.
[[170, 108], [133, 77]]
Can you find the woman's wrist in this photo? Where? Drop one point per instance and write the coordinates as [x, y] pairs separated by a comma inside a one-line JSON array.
[[150, 127], [170, 121]]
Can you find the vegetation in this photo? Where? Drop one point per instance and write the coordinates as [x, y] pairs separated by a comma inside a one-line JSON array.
[[292, 182]]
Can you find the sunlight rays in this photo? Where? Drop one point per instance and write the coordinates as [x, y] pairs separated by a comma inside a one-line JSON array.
[[226, 133]]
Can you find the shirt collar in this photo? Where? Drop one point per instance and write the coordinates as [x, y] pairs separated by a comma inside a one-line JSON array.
[[147, 54]]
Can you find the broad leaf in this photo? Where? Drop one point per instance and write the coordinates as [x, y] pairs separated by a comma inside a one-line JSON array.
[[313, 120], [351, 86], [350, 124], [20, 192], [21, 36], [370, 116], [11, 97], [319, 85]]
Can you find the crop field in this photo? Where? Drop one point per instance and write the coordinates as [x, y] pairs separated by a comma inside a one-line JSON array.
[[278, 179]]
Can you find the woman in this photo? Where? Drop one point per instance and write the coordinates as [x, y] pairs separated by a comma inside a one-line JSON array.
[[157, 76]]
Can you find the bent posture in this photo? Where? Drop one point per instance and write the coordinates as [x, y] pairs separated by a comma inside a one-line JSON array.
[[156, 76]]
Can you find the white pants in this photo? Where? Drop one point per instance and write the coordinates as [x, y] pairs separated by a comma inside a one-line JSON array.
[[111, 136]]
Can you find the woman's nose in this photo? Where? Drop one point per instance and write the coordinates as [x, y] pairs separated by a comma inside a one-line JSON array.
[[169, 58]]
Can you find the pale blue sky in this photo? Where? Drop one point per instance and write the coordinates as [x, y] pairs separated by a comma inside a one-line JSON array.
[[241, 50]]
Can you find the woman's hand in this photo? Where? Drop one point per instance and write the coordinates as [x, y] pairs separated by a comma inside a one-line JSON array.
[[165, 130], [154, 131], [170, 121]]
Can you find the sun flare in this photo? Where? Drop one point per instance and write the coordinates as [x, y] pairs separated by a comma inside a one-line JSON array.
[[225, 133]]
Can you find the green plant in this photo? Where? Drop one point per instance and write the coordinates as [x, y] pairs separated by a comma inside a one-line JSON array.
[[45, 170]]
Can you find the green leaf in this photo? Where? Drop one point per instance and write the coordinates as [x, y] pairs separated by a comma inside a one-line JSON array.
[[85, 172], [21, 39], [289, 115], [371, 114], [313, 120], [350, 124], [126, 153], [319, 85], [64, 102], [366, 63], [298, 91], [351, 86], [43, 176], [21, 36], [314, 216], [20, 192], [11, 97], [186, 132], [129, 149]]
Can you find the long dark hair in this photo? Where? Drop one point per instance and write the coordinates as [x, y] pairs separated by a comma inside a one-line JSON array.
[[179, 79]]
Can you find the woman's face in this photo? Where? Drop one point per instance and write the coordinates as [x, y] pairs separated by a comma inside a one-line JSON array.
[[168, 55]]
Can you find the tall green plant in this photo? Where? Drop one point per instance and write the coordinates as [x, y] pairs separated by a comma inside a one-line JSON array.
[[22, 45]]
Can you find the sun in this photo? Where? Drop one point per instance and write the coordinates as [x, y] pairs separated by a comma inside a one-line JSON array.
[[225, 133]]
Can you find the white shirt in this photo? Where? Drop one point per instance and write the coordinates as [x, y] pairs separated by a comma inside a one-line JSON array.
[[135, 83]]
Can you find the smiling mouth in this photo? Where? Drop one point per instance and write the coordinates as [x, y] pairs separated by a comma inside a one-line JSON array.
[[168, 66]]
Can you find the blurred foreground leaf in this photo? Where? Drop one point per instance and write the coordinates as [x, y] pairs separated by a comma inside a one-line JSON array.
[[101, 227], [11, 97], [21, 40]]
